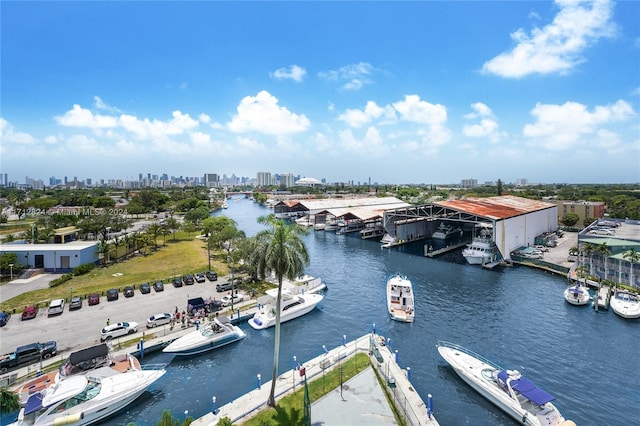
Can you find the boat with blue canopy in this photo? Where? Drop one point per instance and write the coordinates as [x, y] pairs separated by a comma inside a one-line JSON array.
[[516, 395]]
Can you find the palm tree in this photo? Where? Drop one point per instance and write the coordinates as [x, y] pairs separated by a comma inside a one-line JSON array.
[[104, 248], [9, 401], [604, 250], [633, 256], [588, 249], [282, 252]]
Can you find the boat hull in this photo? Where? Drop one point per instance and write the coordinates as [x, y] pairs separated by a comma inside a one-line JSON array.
[[577, 295], [400, 303], [194, 347], [625, 305], [262, 319], [478, 373]]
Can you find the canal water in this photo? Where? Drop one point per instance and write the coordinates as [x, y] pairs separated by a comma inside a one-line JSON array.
[[515, 316]]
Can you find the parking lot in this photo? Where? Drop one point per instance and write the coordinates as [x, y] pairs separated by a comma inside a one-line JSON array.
[[80, 328]]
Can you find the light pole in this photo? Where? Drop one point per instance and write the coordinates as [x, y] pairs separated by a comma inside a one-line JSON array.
[[32, 234], [70, 294], [11, 272]]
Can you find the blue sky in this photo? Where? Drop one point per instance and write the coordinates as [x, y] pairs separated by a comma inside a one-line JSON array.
[[395, 92]]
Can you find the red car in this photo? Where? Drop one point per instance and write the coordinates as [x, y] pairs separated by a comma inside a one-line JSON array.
[[29, 312], [94, 299]]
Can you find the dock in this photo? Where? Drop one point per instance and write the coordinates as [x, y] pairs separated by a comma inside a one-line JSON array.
[[443, 250], [602, 298], [407, 402]]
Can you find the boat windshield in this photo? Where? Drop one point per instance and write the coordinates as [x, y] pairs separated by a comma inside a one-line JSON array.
[[91, 391], [211, 329]]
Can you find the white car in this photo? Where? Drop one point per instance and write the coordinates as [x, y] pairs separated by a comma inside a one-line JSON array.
[[117, 330], [540, 247], [602, 232], [56, 307], [226, 300], [159, 319]]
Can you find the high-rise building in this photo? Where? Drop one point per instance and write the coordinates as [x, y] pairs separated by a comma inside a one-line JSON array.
[[287, 180], [211, 180], [469, 183], [263, 179]]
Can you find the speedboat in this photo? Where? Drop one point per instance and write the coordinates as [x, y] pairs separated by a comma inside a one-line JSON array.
[[508, 389], [482, 249], [577, 295], [96, 360], [291, 306], [446, 231], [85, 399], [626, 304], [400, 299], [212, 335]]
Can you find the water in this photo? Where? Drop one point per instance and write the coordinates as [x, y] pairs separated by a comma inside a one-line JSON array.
[[516, 317]]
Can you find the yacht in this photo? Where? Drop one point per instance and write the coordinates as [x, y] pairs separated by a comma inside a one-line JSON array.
[[626, 304], [372, 232], [446, 231], [400, 299], [224, 204], [577, 295], [86, 398], [481, 250], [507, 389], [97, 360], [212, 335], [291, 306]]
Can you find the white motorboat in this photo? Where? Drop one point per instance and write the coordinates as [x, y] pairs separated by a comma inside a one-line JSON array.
[[333, 225], [291, 306], [400, 303], [508, 389], [482, 249], [301, 285], [372, 232], [85, 399], [577, 295], [626, 304], [225, 205], [96, 360], [446, 231], [212, 335]]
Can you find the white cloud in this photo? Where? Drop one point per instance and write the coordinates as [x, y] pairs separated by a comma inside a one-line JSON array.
[[371, 144], [8, 135], [486, 128], [263, 114], [204, 118], [559, 46], [101, 105], [358, 118], [355, 76], [562, 127], [81, 117], [146, 128], [293, 72], [418, 111]]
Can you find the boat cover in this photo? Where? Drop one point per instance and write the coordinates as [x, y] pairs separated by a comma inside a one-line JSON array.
[[34, 403], [527, 388], [89, 353]]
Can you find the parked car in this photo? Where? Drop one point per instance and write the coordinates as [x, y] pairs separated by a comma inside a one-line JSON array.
[[56, 307], [199, 277], [189, 280], [112, 294], [76, 303], [540, 247], [572, 258], [602, 232], [94, 299], [29, 312], [145, 288], [159, 319], [158, 286], [225, 286], [226, 300], [4, 318], [117, 330], [27, 354], [128, 291], [177, 282], [211, 275]]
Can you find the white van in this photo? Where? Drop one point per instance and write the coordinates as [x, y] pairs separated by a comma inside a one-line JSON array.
[[56, 307]]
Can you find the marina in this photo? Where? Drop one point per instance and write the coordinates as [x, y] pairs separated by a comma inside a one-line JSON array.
[[486, 319]]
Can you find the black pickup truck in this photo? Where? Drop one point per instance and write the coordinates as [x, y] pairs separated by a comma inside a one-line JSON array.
[[27, 354]]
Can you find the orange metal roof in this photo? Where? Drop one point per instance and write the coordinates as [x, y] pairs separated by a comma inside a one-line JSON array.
[[501, 207]]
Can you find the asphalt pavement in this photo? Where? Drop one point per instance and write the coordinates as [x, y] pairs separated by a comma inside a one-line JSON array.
[[81, 328]]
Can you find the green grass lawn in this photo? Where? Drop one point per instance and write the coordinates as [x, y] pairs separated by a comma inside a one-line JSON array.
[[175, 258], [290, 409]]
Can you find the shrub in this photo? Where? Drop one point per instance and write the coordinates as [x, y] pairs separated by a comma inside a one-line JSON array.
[[83, 269], [63, 279]]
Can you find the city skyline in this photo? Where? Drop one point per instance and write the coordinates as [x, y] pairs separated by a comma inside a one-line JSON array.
[[391, 92]]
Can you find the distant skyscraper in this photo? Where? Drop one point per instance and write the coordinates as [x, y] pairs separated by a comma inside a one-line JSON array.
[[211, 180], [287, 180], [263, 179], [469, 183]]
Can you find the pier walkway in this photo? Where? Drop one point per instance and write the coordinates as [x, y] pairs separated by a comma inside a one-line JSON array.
[[365, 408]]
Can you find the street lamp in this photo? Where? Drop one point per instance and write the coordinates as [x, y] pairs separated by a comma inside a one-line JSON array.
[[32, 234], [11, 271]]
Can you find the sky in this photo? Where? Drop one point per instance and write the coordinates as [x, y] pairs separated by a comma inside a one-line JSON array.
[[387, 92]]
